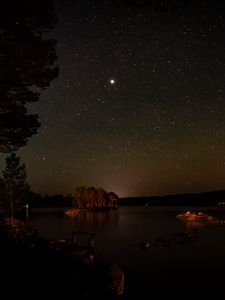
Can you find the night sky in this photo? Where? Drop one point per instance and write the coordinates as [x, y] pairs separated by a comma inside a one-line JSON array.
[[139, 105]]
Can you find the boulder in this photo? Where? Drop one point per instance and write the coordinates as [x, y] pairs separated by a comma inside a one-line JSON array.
[[115, 279]]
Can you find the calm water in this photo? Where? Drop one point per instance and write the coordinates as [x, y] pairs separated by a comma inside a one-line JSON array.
[[192, 267]]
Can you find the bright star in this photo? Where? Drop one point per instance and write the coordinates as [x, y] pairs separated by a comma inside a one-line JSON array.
[[112, 81]]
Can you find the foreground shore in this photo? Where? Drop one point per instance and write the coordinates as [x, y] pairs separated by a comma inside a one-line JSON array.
[[35, 267]]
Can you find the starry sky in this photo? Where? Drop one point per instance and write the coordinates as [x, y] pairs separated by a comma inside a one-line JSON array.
[[139, 105]]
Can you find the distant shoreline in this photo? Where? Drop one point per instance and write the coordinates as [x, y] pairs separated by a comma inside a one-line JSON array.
[[212, 198], [192, 199]]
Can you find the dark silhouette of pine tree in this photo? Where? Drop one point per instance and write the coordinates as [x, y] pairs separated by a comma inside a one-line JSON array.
[[16, 187], [26, 67]]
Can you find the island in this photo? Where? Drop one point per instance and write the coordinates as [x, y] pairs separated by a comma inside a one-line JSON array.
[[95, 199]]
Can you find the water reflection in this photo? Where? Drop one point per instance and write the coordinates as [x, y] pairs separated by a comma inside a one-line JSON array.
[[190, 233], [194, 227], [185, 237], [94, 220]]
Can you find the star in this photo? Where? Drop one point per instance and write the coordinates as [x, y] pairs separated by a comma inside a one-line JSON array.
[[143, 106]]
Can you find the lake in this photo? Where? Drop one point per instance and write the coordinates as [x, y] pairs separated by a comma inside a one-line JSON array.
[[185, 261]]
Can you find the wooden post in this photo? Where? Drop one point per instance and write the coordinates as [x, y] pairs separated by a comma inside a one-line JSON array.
[[74, 237], [11, 204], [92, 241]]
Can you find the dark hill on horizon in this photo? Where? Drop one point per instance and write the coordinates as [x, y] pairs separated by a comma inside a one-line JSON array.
[[192, 199]]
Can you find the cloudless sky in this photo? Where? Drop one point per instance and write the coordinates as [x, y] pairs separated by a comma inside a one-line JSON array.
[[139, 105]]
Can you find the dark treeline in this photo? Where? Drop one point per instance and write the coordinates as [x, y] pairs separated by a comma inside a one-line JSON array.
[[195, 199], [157, 5], [59, 200], [192, 199]]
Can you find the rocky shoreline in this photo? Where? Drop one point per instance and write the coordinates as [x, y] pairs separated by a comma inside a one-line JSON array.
[[53, 268]]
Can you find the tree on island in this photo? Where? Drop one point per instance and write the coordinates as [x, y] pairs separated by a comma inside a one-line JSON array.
[[26, 67], [16, 188], [95, 198]]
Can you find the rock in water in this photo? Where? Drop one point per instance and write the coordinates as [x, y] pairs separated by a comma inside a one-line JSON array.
[[116, 280]]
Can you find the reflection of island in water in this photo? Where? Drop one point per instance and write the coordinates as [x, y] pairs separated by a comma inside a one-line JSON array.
[[194, 223], [94, 220], [183, 238], [194, 227]]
